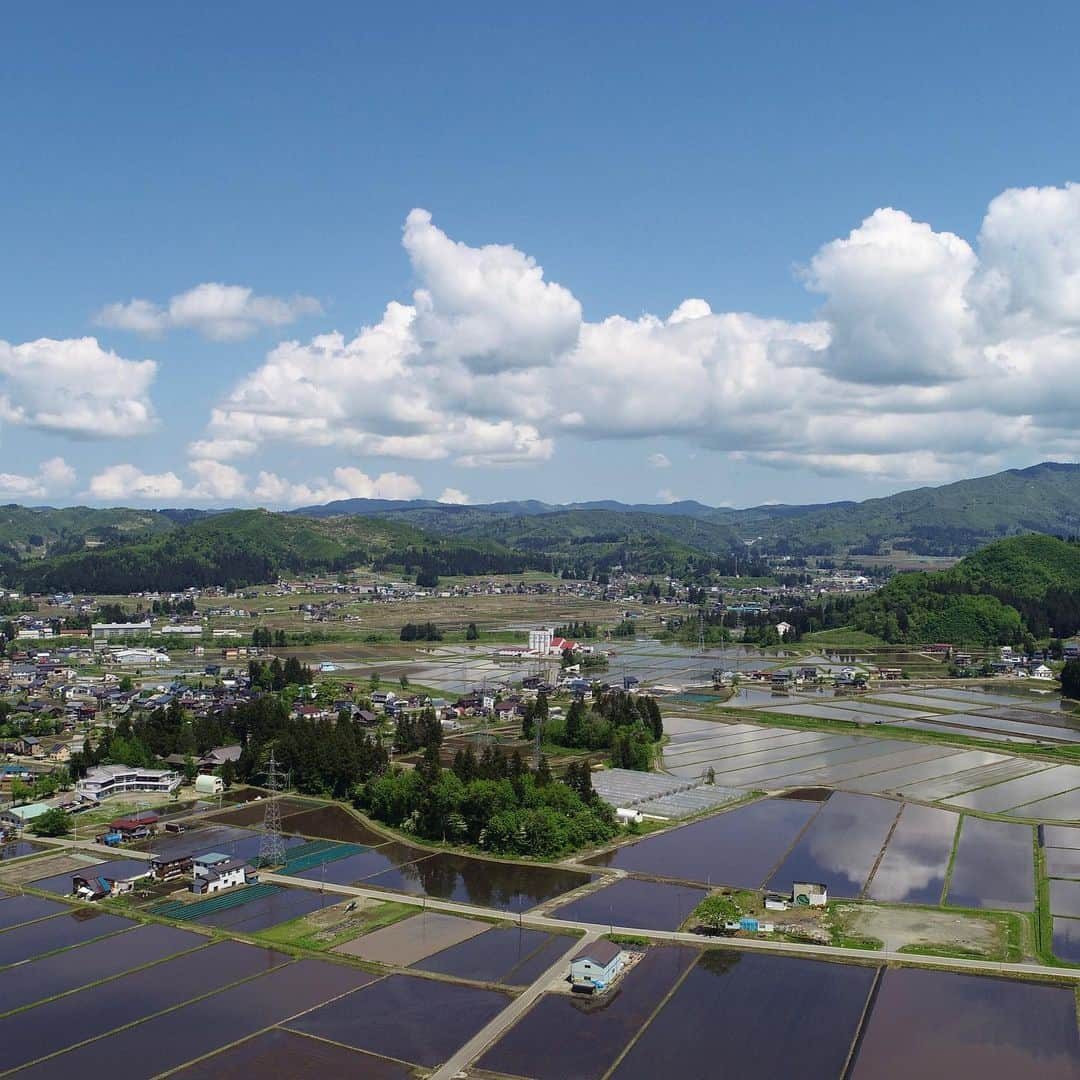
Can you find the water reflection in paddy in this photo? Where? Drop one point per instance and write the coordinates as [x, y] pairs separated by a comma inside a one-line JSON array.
[[738, 847], [840, 847], [748, 1015], [994, 866], [913, 868], [941, 1024]]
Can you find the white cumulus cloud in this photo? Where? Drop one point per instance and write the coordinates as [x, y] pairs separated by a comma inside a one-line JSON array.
[[454, 497], [75, 387], [53, 477], [222, 484], [931, 356], [123, 483], [659, 461], [217, 311]]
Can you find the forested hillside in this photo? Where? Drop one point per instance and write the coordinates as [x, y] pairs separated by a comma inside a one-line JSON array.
[[244, 547], [1022, 586]]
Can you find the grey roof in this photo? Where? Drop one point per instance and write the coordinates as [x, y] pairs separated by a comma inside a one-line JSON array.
[[600, 952]]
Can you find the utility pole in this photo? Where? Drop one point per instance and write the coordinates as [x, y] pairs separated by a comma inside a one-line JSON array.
[[272, 844]]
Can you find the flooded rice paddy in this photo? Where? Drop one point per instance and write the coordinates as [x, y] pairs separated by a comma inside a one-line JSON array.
[[72, 1019], [1065, 898], [1066, 940], [505, 954], [165, 1042], [929, 1023], [15, 849], [740, 847], [512, 887], [856, 845], [841, 845], [755, 756], [15, 910], [58, 932], [422, 1021], [82, 965], [565, 1037], [912, 871], [631, 902], [993, 866], [746, 1014], [765, 1016], [299, 1057], [1062, 862]]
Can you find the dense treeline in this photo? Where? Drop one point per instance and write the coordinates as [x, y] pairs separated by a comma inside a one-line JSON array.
[[276, 675], [494, 802], [1008, 592], [420, 632], [578, 631], [625, 726]]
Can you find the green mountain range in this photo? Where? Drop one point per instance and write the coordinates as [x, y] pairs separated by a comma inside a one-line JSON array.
[[81, 548], [244, 547]]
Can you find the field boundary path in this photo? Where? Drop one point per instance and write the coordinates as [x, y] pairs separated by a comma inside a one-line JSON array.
[[547, 922]]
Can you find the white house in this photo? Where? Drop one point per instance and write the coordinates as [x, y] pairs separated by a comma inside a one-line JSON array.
[[104, 780], [783, 628], [597, 965], [1041, 672], [214, 872]]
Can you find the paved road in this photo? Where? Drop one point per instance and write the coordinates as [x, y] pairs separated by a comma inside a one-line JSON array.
[[546, 922]]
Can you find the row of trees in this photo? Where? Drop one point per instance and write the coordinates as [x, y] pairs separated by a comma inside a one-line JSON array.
[[264, 638], [420, 632], [414, 732], [276, 675]]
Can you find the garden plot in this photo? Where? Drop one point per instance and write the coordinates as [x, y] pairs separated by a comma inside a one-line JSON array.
[[413, 939]]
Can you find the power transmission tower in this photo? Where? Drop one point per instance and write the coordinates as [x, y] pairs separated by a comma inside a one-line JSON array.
[[272, 844]]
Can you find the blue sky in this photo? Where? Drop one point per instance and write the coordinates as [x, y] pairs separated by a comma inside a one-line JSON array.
[[642, 157]]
